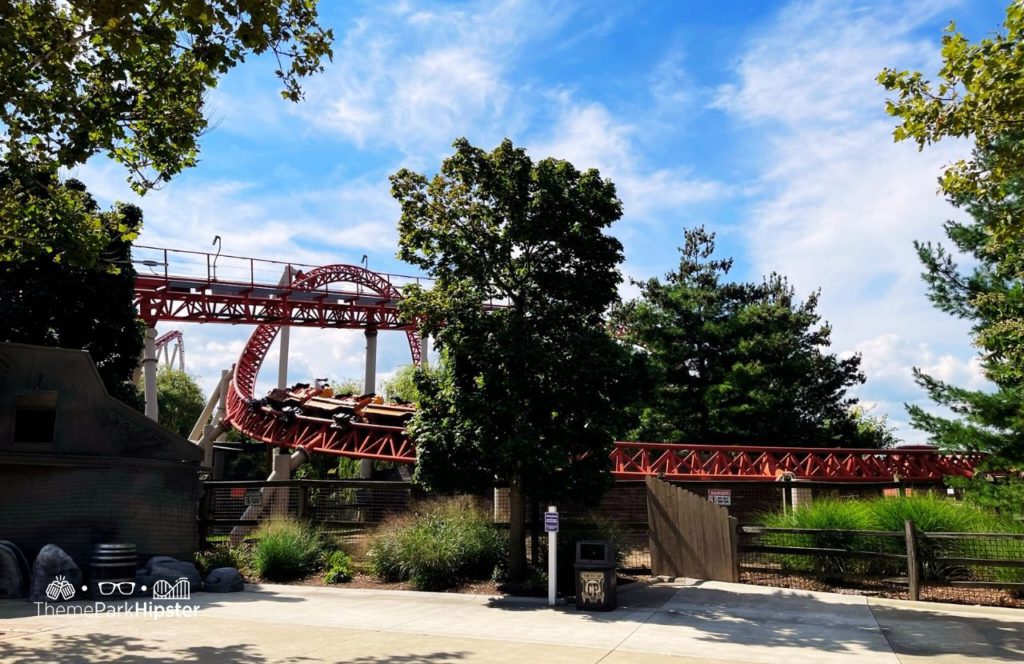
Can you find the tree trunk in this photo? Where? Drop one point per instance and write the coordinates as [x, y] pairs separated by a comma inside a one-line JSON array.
[[516, 531]]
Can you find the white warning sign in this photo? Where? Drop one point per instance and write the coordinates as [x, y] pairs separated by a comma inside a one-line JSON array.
[[720, 496]]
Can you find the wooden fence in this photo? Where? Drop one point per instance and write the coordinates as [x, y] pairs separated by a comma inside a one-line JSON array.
[[689, 536], [908, 557]]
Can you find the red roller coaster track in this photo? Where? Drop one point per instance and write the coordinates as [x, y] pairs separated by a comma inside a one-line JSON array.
[[732, 463], [312, 434], [368, 300]]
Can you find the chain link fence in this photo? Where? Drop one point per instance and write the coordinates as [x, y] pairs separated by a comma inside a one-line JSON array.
[[344, 509]]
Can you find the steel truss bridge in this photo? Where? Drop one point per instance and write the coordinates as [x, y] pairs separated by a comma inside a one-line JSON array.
[[199, 287]]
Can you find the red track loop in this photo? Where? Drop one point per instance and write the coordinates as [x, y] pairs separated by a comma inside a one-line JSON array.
[[311, 434]]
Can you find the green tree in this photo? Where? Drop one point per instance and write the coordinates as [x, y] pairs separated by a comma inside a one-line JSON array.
[[347, 386], [402, 386], [126, 80], [181, 400], [95, 310], [526, 391], [874, 428], [979, 96], [737, 363]]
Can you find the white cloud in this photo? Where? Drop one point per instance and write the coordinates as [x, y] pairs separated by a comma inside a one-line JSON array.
[[590, 136], [316, 226], [842, 204], [416, 79], [890, 359]]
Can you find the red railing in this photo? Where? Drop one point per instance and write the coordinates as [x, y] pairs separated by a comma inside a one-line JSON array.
[[731, 463]]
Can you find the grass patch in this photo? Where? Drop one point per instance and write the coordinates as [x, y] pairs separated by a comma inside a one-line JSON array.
[[930, 514], [286, 549], [826, 514], [447, 542]]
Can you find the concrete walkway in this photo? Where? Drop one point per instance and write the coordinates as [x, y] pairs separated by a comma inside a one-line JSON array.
[[698, 622]]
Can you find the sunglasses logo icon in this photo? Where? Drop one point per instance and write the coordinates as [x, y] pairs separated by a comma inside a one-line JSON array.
[[108, 588]]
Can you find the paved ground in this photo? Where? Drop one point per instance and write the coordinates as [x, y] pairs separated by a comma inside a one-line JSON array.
[[697, 622]]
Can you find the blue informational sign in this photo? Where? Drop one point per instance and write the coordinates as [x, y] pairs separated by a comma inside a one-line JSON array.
[[551, 522]]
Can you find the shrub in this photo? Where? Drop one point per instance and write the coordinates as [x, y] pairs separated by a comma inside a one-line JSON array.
[[1004, 497], [930, 513], [449, 541], [285, 549], [339, 567], [826, 514], [219, 556]]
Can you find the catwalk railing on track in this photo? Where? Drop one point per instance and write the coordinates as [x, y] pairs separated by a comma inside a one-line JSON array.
[[208, 288], [726, 462]]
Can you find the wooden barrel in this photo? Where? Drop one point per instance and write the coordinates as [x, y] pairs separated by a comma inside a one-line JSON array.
[[113, 570]]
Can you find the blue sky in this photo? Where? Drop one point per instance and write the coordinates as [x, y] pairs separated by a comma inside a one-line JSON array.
[[760, 120]]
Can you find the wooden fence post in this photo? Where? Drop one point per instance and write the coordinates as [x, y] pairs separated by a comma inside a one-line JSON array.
[[734, 537], [303, 499], [913, 564]]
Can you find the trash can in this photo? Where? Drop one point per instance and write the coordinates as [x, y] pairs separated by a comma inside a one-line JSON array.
[[595, 575]]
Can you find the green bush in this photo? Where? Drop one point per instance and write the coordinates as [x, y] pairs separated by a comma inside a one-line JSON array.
[[219, 556], [339, 567], [449, 541], [826, 514], [930, 513], [1004, 497], [285, 549]]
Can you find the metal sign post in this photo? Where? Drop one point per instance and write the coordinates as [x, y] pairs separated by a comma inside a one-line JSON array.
[[551, 528]]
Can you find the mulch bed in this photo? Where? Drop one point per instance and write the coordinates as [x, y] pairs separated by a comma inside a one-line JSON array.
[[948, 594], [488, 587]]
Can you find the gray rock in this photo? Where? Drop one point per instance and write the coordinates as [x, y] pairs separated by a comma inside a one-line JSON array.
[[12, 580], [55, 576], [167, 569], [224, 580], [156, 560], [26, 570]]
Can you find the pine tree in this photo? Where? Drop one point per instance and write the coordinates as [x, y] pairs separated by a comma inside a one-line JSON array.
[[980, 95], [739, 363]]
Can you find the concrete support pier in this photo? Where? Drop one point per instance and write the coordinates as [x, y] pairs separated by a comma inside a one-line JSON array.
[[369, 385], [149, 373]]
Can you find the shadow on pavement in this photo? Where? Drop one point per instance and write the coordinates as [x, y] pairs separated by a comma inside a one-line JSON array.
[[923, 633], [411, 659], [22, 608], [130, 650]]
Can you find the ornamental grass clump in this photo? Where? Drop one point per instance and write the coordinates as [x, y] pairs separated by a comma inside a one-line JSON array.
[[825, 514], [286, 549], [444, 544], [936, 514], [930, 514]]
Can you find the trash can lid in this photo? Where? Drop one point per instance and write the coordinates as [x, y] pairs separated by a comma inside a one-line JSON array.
[[595, 551]]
